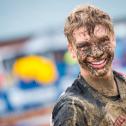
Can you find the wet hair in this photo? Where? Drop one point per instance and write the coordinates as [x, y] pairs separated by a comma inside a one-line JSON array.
[[86, 16]]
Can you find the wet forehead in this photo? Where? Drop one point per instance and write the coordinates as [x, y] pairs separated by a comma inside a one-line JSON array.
[[82, 35]]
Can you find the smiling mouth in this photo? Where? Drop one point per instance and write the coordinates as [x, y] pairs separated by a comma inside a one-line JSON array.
[[98, 64]]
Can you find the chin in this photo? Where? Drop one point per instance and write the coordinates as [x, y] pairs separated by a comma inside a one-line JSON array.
[[103, 72], [99, 73]]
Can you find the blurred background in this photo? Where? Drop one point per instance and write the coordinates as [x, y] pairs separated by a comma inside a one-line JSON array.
[[35, 67]]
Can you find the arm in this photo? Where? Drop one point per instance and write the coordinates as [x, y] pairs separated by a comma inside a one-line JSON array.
[[68, 113]]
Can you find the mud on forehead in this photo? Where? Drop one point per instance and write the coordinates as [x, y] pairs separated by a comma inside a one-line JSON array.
[[82, 34]]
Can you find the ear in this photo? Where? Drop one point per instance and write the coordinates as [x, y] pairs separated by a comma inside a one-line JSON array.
[[72, 50]]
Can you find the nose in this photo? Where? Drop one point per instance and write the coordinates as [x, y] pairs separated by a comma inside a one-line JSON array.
[[96, 52]]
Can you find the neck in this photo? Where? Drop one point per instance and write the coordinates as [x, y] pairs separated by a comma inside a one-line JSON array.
[[105, 85]]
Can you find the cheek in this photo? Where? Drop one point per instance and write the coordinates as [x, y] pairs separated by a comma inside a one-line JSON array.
[[81, 55], [110, 50], [107, 49]]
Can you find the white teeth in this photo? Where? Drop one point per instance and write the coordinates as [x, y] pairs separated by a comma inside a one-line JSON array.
[[99, 62]]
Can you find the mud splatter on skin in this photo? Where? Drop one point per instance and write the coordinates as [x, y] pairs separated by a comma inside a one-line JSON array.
[[97, 50]]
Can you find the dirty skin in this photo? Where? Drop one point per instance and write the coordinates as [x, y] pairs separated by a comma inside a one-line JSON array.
[[95, 49]]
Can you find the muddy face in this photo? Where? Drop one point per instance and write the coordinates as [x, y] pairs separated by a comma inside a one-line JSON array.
[[94, 53]]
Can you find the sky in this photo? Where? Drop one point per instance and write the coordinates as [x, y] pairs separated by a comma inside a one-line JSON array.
[[23, 17]]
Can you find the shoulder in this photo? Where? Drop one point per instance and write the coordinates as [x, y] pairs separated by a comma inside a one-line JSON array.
[[120, 75], [69, 104], [67, 109], [68, 98]]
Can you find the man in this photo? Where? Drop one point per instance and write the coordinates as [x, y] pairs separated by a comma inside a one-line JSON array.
[[98, 96]]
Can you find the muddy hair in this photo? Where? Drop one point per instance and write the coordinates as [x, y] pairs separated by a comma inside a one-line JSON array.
[[86, 16]]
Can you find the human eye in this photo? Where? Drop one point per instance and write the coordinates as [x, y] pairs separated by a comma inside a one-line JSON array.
[[105, 43], [82, 46], [85, 48], [105, 40]]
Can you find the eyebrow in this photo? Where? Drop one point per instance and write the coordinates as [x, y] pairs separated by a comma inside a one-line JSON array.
[[87, 43], [83, 43], [104, 38]]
